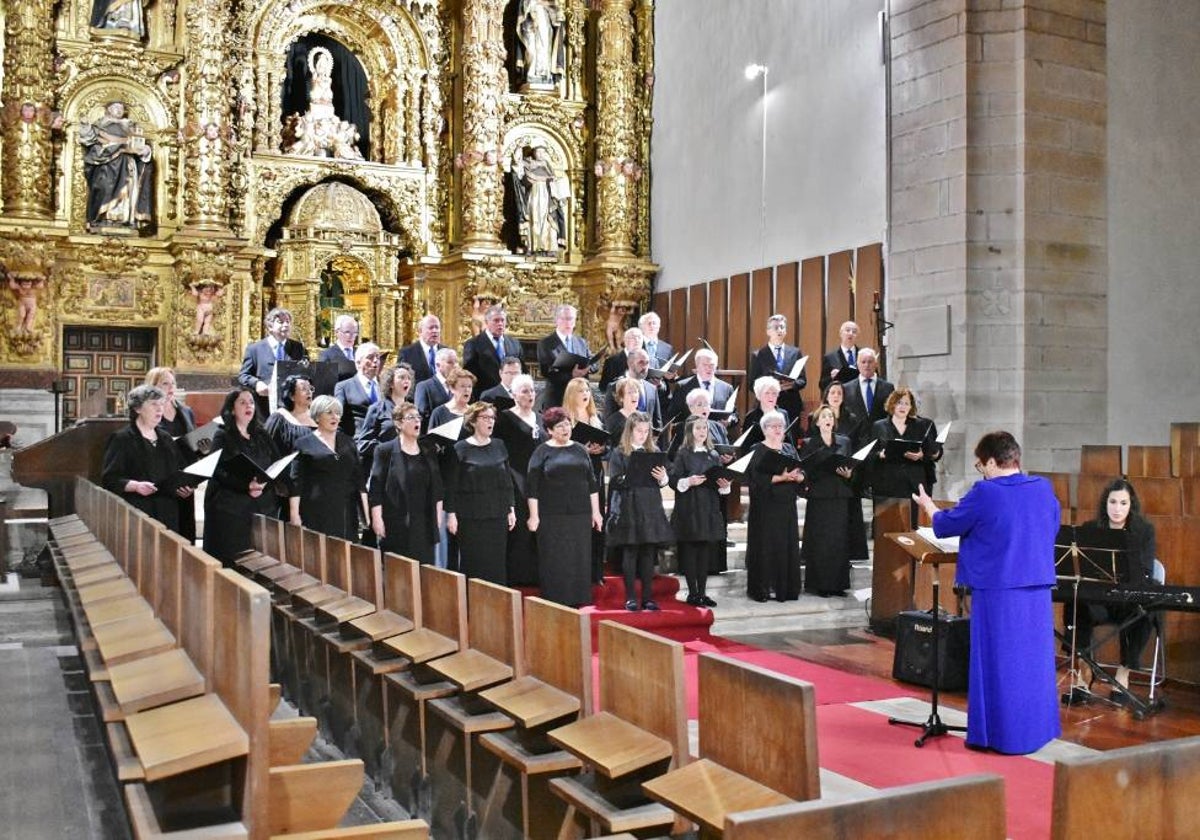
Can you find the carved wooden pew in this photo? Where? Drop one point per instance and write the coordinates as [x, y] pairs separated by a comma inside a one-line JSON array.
[[739, 769], [511, 796], [639, 733], [443, 631], [1143, 791], [496, 655], [946, 809]]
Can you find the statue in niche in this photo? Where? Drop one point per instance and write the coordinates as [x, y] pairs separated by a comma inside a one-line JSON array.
[[119, 171], [541, 198], [333, 292], [541, 51], [125, 16], [319, 132], [26, 290], [206, 294]]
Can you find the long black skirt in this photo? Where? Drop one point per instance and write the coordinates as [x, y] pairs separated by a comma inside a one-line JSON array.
[[483, 548], [522, 549], [564, 544], [828, 538]]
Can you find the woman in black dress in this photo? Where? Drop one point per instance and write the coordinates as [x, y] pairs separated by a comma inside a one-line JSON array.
[[767, 391], [895, 480], [772, 528], [177, 421], [140, 462], [479, 498], [405, 491], [564, 507], [395, 385], [637, 524], [580, 405], [697, 520], [830, 515], [461, 383], [232, 498], [850, 425], [846, 421], [627, 393], [327, 487], [521, 431], [289, 422]]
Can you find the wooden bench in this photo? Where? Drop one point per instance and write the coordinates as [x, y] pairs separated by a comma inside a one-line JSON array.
[[639, 733], [740, 768], [511, 795], [946, 809], [1143, 791], [495, 657]]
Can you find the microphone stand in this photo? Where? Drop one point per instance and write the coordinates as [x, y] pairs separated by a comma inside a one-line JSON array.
[[882, 325]]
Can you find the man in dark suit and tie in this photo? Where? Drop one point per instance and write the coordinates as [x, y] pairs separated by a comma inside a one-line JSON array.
[[843, 357], [341, 352], [420, 354], [484, 354], [657, 349], [705, 378], [361, 391], [435, 390], [258, 362], [562, 340], [648, 402], [508, 371], [777, 356], [866, 395], [616, 365]]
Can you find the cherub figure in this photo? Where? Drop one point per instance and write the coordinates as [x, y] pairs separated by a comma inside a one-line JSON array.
[[26, 291], [206, 295]]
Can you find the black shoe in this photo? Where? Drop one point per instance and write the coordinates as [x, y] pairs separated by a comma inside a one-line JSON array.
[[694, 601], [649, 606], [631, 605], [762, 599], [707, 602]]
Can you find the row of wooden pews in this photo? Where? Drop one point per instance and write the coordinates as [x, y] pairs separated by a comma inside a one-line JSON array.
[[177, 650]]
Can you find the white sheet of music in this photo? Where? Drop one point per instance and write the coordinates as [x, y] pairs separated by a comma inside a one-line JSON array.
[[946, 544]]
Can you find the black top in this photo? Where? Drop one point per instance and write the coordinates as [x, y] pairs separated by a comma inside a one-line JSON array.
[[899, 479], [131, 457], [328, 484], [697, 515], [561, 479], [1141, 545], [226, 491], [635, 513], [760, 480], [407, 487], [825, 483], [480, 486]]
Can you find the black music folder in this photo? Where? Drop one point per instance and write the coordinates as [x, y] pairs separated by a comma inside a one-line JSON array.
[[501, 402], [641, 462], [564, 360], [829, 460], [586, 433], [846, 374], [776, 463], [894, 449], [199, 440]]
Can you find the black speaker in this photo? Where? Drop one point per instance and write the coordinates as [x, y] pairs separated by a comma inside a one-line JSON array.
[[913, 662]]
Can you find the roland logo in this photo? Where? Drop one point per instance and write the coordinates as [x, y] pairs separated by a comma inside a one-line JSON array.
[[923, 628]]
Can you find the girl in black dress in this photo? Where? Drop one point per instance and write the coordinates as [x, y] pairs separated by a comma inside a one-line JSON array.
[[696, 519], [479, 498], [231, 499], [522, 432], [140, 462], [177, 421], [327, 486], [772, 527], [831, 512], [637, 524], [405, 490], [564, 507]]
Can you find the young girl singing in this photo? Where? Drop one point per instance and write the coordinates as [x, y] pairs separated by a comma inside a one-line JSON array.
[[699, 526]]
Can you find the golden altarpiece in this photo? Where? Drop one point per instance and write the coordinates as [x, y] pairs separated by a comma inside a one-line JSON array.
[[182, 165]]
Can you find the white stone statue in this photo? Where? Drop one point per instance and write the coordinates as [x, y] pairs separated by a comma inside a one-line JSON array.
[[541, 52], [319, 132]]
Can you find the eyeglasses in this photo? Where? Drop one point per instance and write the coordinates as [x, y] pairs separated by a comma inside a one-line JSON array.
[[411, 418], [979, 468]]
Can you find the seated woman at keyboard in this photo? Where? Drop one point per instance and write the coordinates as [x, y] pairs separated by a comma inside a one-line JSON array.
[[1120, 509]]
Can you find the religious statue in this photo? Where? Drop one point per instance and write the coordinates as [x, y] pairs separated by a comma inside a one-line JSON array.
[[541, 51], [319, 132], [126, 15], [26, 291], [119, 171], [206, 295], [541, 197], [332, 294]]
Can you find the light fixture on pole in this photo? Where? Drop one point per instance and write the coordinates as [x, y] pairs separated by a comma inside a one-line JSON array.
[[754, 71]]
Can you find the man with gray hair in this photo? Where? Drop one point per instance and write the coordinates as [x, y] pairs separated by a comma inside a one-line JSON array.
[[705, 379], [435, 390], [484, 354], [617, 363], [341, 351], [258, 362], [361, 391], [563, 340], [420, 354]]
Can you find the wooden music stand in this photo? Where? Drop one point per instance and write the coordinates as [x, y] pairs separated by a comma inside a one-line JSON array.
[[923, 551]]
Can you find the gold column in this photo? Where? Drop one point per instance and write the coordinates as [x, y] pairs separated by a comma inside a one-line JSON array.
[[28, 97], [484, 83], [616, 166], [207, 117]]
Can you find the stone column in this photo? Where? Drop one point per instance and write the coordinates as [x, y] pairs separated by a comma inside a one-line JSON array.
[[207, 117], [616, 143], [999, 212], [484, 83], [28, 100]]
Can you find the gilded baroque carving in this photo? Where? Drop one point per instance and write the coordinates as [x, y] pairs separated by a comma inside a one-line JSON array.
[[25, 120], [27, 260]]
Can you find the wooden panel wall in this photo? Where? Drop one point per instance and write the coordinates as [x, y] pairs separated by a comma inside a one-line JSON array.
[[839, 299], [812, 322], [677, 326], [868, 282], [697, 317], [734, 355], [718, 312]]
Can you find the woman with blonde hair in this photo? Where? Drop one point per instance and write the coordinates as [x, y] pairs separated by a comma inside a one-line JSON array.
[[177, 421], [580, 405]]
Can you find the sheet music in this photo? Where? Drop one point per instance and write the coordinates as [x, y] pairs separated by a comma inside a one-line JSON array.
[[949, 545], [798, 368], [861, 455], [945, 432], [741, 463]]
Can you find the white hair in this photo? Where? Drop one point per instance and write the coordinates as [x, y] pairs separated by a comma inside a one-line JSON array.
[[763, 383]]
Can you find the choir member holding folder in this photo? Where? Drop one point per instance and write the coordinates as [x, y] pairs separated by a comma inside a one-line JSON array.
[[479, 498], [906, 451], [405, 490], [773, 531], [833, 518], [697, 518], [141, 464], [235, 493], [588, 430], [177, 421], [327, 485]]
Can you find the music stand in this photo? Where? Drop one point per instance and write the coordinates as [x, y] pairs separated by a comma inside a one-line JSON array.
[[921, 550]]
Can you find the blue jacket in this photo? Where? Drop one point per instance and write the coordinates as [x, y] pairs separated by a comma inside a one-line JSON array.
[[1007, 525]]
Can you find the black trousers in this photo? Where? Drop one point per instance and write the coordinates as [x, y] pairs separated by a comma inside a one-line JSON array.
[[694, 561], [637, 561]]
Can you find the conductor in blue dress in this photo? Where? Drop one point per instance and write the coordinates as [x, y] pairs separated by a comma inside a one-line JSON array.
[[1007, 523]]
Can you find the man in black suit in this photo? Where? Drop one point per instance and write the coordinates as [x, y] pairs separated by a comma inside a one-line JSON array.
[[639, 363], [778, 356], [705, 378], [361, 391], [511, 367], [843, 357], [435, 390], [258, 362], [341, 352], [484, 354], [616, 365], [420, 354], [562, 340], [658, 351], [866, 395]]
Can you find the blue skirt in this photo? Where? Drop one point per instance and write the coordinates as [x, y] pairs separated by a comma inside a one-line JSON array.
[[1012, 696]]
